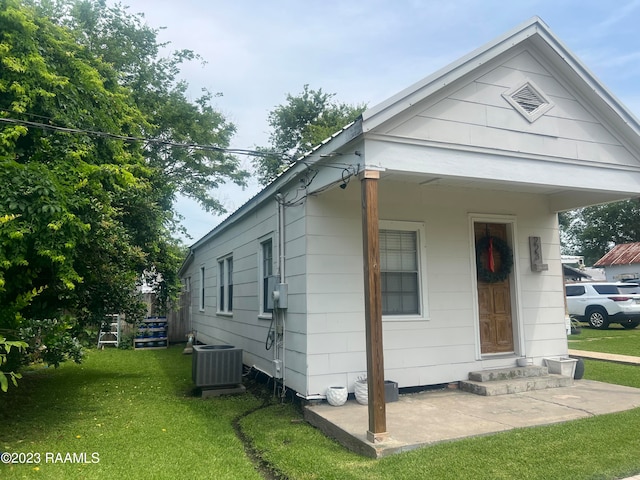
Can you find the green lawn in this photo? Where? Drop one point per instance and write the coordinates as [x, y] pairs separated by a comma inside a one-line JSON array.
[[613, 340], [135, 410]]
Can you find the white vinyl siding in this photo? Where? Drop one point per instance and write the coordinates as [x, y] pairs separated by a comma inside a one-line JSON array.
[[476, 115]]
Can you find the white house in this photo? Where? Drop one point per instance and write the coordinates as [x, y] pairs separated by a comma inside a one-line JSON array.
[[467, 170], [621, 263]]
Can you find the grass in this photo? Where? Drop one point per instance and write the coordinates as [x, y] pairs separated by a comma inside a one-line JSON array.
[[582, 449], [133, 409], [613, 340], [136, 411]]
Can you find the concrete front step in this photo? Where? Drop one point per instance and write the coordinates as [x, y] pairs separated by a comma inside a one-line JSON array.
[[508, 373], [515, 385]]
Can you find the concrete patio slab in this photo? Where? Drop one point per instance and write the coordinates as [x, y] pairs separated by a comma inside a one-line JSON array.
[[426, 418]]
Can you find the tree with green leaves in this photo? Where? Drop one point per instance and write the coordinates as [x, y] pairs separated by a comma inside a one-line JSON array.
[[86, 210], [131, 47], [593, 231], [302, 123]]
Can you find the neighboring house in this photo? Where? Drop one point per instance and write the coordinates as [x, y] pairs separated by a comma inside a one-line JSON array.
[[496, 143], [572, 274], [622, 262], [573, 268]]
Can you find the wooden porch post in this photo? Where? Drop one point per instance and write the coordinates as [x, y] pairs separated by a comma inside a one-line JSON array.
[[373, 306]]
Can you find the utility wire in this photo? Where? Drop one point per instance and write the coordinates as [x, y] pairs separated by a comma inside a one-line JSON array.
[[346, 168], [128, 138], [195, 146]]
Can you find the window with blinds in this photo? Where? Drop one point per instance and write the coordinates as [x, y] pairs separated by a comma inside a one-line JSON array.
[[202, 289], [225, 285], [399, 269], [266, 270]]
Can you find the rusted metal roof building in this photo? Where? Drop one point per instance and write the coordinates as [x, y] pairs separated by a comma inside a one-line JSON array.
[[622, 262]]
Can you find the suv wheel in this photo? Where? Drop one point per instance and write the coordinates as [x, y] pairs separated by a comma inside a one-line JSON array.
[[629, 324], [598, 318]]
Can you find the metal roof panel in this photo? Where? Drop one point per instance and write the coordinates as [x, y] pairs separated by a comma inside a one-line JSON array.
[[623, 254]]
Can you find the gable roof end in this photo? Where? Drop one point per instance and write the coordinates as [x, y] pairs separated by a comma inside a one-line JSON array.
[[536, 32]]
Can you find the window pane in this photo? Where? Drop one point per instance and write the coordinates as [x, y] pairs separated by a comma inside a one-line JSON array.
[[410, 282], [408, 241], [392, 304], [409, 261], [267, 259], [606, 289], [393, 261], [409, 304], [574, 291], [266, 272], [265, 295], [202, 290], [230, 285], [391, 282], [399, 293]]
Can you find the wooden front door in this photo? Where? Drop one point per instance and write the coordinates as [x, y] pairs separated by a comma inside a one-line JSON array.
[[494, 298]]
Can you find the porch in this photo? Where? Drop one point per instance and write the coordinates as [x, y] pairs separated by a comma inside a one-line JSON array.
[[421, 419]]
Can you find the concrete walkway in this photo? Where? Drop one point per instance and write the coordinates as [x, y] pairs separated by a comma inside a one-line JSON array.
[[421, 419], [427, 418], [609, 357]]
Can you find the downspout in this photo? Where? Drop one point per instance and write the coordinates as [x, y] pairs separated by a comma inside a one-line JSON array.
[[282, 276], [281, 239]]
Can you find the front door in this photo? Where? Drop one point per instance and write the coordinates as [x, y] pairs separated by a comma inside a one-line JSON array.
[[494, 292]]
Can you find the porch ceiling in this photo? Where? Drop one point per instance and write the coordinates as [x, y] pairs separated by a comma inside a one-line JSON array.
[[560, 198]]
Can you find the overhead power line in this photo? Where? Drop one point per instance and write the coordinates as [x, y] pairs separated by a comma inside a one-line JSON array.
[[128, 138], [348, 170], [168, 143]]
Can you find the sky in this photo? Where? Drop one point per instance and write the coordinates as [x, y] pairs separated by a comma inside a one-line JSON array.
[[258, 51]]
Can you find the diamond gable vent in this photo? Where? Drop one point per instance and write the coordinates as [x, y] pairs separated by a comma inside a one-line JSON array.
[[529, 100]]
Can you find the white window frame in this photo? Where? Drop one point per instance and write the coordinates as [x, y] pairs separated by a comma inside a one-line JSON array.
[[201, 303], [420, 230], [262, 275], [225, 280]]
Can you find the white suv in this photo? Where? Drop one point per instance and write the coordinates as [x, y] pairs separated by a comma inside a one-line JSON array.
[[603, 303]]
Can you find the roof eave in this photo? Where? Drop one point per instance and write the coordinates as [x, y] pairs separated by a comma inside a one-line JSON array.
[[290, 175], [187, 261]]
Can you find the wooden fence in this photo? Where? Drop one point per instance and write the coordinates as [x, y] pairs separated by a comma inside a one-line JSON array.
[[177, 319]]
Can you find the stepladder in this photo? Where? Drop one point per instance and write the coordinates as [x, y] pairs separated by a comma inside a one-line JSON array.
[[109, 331]]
